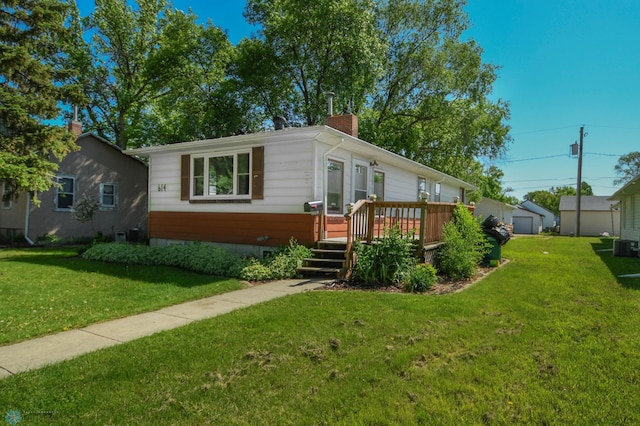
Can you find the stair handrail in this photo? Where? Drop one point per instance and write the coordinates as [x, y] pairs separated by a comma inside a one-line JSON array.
[[352, 210]]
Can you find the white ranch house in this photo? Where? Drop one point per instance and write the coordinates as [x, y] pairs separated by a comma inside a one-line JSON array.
[[248, 192]]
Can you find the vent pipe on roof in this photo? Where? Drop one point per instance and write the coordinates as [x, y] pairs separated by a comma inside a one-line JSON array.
[[279, 122], [330, 102]]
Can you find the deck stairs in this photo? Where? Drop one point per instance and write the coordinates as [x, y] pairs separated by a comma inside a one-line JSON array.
[[329, 259]]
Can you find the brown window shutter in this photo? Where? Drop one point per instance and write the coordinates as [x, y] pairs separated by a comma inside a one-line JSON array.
[[257, 170], [185, 172]]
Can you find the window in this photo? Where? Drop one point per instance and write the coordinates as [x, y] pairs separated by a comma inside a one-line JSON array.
[[422, 187], [108, 195], [335, 180], [360, 182], [65, 192], [6, 196], [378, 184], [221, 176], [436, 198]]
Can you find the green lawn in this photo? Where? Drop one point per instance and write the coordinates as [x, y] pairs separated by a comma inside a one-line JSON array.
[[44, 291], [552, 337]]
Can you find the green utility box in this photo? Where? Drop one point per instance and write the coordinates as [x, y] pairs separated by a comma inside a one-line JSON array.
[[495, 254]]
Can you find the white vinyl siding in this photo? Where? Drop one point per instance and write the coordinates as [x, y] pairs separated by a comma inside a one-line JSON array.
[[288, 182]]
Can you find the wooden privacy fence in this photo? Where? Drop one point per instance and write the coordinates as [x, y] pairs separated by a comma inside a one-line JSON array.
[[368, 220]]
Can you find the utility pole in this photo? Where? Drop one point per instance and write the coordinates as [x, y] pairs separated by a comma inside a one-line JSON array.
[[579, 186]]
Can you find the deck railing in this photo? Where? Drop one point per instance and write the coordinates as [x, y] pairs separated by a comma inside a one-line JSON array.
[[368, 220]]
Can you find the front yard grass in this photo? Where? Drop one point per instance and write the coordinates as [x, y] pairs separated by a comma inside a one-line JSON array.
[[45, 291], [550, 338]]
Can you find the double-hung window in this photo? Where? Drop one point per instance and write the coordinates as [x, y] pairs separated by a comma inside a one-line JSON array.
[[221, 176], [108, 195], [65, 192]]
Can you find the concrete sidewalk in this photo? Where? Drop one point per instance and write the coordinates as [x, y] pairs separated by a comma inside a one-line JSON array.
[[42, 351]]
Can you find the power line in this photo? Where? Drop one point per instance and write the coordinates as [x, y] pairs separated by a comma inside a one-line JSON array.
[[560, 155]]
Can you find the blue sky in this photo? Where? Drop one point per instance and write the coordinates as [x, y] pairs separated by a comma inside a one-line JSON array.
[[564, 64]]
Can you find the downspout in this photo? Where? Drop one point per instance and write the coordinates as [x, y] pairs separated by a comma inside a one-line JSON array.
[[26, 221]]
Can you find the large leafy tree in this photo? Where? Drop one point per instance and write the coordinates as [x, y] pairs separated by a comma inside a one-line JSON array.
[[121, 74], [418, 89], [628, 167], [319, 46], [153, 76], [432, 104], [201, 100], [34, 80]]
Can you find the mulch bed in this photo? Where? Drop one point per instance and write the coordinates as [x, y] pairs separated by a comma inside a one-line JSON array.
[[443, 286]]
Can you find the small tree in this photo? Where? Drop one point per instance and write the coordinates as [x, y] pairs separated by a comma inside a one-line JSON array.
[[85, 209], [465, 245]]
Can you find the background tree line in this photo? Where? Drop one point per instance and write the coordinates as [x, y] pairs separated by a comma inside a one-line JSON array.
[[145, 73]]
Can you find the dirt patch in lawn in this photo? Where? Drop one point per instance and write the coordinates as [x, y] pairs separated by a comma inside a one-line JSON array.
[[443, 286]]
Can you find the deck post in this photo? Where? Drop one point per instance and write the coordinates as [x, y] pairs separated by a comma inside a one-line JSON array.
[[423, 222], [349, 241]]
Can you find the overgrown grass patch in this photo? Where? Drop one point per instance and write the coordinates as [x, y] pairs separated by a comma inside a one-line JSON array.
[[45, 291], [549, 338]]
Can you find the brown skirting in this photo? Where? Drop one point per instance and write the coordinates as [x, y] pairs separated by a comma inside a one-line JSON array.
[[264, 229]]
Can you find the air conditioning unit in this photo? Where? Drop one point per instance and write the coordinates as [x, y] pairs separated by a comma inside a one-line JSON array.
[[625, 248]]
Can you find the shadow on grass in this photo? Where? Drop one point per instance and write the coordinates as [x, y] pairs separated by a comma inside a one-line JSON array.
[[70, 260], [618, 265]]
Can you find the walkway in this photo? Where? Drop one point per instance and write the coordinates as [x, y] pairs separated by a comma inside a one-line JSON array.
[[36, 353]]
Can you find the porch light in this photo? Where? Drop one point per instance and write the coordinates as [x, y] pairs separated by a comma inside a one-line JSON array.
[[373, 197], [424, 196]]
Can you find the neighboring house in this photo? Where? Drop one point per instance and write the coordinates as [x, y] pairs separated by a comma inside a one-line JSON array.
[[488, 207], [98, 169], [598, 214], [526, 221], [629, 205], [549, 219], [248, 192]]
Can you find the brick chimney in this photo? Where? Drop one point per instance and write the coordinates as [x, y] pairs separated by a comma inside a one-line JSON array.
[[75, 126], [346, 123]]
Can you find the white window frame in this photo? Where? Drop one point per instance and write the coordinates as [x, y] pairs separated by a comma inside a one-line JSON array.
[[205, 186], [361, 165], [376, 172], [339, 207], [103, 205], [58, 193], [423, 186]]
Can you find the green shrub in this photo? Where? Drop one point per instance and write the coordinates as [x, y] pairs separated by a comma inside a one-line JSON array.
[[197, 257], [387, 260], [283, 264], [256, 271], [421, 278], [464, 245]]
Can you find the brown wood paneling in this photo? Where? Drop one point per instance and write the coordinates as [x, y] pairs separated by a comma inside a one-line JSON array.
[[336, 227], [185, 172], [257, 170], [233, 228]]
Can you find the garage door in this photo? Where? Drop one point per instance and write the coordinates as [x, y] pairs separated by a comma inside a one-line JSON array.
[[522, 225]]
